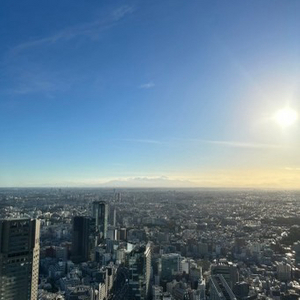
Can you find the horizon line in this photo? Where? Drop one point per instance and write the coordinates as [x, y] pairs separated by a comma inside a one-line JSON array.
[[145, 187]]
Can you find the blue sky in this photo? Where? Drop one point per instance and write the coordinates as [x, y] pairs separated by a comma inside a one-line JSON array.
[[172, 92]]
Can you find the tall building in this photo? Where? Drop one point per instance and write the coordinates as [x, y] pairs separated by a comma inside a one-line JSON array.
[[19, 259], [284, 271], [100, 213], [219, 289], [118, 197], [122, 234], [112, 216], [195, 275], [296, 247], [148, 258], [139, 267], [228, 270], [241, 290], [157, 292], [170, 265], [81, 239]]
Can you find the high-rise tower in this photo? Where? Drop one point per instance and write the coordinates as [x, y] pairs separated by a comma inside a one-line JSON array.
[[139, 267], [228, 270], [219, 289], [19, 259], [170, 265], [81, 239], [100, 213]]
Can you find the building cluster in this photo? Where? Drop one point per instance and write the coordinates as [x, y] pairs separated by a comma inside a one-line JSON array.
[[139, 244]]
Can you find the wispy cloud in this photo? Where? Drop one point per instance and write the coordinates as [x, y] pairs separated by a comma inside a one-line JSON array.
[[233, 144], [121, 12], [147, 85], [144, 141], [90, 29], [236, 144], [36, 79], [292, 169]]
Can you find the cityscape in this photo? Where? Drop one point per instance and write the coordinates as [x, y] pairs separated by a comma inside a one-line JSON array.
[[133, 244], [149, 150]]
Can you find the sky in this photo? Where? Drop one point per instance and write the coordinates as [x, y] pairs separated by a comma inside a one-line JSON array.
[[150, 93]]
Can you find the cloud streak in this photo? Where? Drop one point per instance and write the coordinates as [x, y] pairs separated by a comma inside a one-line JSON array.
[[242, 144], [32, 77], [292, 169], [233, 144], [236, 144], [90, 29], [147, 85], [121, 12], [37, 79], [143, 141]]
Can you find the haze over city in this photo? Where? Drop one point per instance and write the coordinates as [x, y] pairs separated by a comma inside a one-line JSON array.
[[150, 94]]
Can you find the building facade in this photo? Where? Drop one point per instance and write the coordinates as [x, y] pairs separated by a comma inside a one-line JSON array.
[[228, 270], [219, 289], [19, 259], [100, 213], [81, 239], [139, 267], [170, 265]]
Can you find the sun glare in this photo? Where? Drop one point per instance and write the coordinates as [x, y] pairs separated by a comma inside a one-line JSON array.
[[286, 117]]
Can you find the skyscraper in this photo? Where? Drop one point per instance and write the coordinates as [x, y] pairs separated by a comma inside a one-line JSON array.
[[219, 289], [147, 254], [81, 239], [100, 213], [228, 270], [139, 266], [112, 216], [19, 259], [296, 247], [170, 265]]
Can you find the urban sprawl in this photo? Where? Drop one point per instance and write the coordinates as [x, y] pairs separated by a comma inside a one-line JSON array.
[[143, 244]]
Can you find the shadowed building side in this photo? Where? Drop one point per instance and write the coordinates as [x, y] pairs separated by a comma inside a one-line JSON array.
[[80, 239]]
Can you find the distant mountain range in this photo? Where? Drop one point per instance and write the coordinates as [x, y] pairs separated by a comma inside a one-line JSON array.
[[140, 182]]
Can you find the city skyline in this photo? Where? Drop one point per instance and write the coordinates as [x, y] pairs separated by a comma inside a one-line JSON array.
[[150, 94]]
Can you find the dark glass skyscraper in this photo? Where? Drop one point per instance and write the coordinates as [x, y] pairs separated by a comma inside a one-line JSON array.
[[100, 213], [81, 239], [19, 259]]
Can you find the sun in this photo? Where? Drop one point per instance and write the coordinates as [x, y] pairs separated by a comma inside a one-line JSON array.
[[286, 117]]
